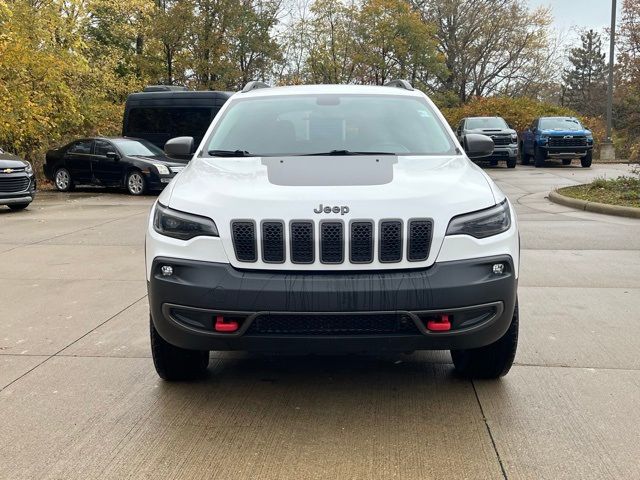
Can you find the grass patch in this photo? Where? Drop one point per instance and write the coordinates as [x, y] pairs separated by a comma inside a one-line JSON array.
[[618, 191]]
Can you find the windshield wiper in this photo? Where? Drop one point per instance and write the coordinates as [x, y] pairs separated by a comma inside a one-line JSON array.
[[229, 153], [347, 152]]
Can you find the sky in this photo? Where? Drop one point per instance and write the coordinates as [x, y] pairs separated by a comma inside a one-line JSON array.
[[569, 14]]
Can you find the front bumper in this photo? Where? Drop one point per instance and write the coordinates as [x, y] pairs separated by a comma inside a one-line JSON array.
[[24, 196], [504, 152], [157, 182], [566, 152], [185, 304]]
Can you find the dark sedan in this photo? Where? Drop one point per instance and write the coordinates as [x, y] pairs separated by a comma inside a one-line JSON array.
[[133, 163], [17, 182]]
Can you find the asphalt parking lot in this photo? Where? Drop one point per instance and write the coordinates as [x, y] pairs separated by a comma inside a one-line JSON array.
[[80, 399]]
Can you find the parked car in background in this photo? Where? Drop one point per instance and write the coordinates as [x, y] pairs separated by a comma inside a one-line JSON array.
[[133, 163], [505, 138], [162, 112], [563, 138], [17, 182]]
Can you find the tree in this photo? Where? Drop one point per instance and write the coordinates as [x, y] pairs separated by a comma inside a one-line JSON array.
[[394, 42], [370, 43], [627, 91], [489, 46], [585, 86], [230, 41], [170, 22], [252, 49], [331, 42]]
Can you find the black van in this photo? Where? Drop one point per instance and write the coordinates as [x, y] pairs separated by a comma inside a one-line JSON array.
[[162, 112]]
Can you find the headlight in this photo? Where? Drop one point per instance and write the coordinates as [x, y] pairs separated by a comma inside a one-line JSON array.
[[514, 137], [183, 226], [483, 223], [162, 169], [29, 169]]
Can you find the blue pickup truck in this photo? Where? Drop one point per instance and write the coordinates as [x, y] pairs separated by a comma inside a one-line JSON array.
[[562, 138]]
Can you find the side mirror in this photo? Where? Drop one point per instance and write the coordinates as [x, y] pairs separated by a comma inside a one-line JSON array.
[[179, 147], [113, 156], [477, 146]]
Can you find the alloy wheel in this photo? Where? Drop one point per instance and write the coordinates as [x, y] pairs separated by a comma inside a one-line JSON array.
[[136, 183], [62, 179]]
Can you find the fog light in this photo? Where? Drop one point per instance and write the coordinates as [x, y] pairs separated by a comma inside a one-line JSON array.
[[167, 271], [498, 268]]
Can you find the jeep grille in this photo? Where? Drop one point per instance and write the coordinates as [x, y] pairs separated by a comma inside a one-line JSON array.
[[337, 243]]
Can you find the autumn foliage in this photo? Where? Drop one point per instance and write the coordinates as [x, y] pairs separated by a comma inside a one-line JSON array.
[[67, 66], [519, 113]]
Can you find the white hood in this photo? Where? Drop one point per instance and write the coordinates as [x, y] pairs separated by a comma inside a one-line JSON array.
[[372, 187]]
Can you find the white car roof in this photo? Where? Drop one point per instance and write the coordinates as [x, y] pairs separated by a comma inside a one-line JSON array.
[[335, 89]]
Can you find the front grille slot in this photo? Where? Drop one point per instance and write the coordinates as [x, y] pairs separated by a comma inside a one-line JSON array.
[[504, 140], [576, 141], [273, 241], [302, 250], [390, 241], [332, 324], [244, 240], [331, 242], [361, 242], [14, 184], [420, 232]]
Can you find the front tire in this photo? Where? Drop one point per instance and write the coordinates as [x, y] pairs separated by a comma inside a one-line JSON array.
[[136, 183], [586, 160], [539, 157], [19, 206], [62, 180], [492, 361], [511, 162], [174, 363]]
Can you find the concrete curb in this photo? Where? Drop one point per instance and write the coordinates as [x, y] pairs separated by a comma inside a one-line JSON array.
[[595, 207]]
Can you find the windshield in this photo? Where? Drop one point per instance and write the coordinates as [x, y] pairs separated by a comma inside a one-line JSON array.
[[560, 124], [308, 124], [485, 122], [141, 148]]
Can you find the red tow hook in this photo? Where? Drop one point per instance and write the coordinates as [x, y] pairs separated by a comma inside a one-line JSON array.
[[441, 324], [225, 326]]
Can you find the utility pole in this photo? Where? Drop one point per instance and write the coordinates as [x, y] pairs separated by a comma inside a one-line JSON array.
[[607, 152]]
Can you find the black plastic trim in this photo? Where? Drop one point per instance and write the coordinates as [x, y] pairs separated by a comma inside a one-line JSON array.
[[255, 235], [321, 242], [313, 241], [372, 224], [284, 241], [214, 287]]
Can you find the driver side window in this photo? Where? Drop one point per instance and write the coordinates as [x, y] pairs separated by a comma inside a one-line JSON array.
[[101, 148]]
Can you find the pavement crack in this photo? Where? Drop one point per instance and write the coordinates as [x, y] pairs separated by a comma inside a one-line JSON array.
[[486, 424], [72, 343]]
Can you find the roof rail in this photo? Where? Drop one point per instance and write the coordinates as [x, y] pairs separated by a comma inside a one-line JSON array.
[[254, 85], [399, 84], [164, 88]]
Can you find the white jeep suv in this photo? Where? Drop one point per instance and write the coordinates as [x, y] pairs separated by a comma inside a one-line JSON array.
[[332, 218]]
